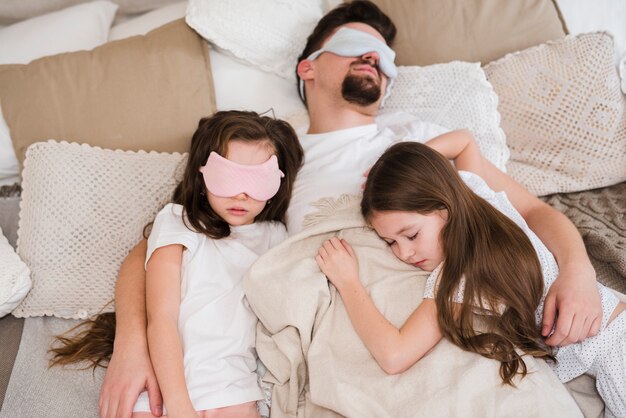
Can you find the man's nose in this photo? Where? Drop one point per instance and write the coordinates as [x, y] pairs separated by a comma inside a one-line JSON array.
[[372, 57]]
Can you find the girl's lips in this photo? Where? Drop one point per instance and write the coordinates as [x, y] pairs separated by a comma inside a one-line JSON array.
[[419, 263], [237, 211]]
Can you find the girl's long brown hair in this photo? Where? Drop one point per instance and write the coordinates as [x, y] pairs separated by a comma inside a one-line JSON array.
[[497, 259], [92, 340]]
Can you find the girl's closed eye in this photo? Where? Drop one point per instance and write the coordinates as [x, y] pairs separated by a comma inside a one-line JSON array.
[[412, 237]]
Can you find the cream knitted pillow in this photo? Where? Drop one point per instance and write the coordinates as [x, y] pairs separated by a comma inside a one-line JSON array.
[[563, 114], [454, 95], [14, 277], [83, 208]]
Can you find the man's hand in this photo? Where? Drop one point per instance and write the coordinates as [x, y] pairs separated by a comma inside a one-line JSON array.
[[129, 373], [338, 262], [574, 301]]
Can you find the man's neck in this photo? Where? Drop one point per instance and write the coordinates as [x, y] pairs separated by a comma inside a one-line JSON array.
[[334, 118]]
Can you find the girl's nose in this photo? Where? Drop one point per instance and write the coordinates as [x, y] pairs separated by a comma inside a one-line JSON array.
[[406, 253], [241, 196]]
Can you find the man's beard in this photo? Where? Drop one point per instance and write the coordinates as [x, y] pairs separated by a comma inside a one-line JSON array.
[[360, 90]]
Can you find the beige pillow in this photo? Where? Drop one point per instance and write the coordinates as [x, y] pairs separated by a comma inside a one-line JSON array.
[[145, 92], [83, 208], [436, 31], [563, 114]]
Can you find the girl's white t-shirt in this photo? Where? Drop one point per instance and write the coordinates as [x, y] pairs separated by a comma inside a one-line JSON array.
[[335, 162], [216, 325]]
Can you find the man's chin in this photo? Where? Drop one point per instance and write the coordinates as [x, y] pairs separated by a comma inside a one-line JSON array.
[[361, 91]]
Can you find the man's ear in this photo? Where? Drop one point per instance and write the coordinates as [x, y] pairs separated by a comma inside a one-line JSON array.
[[306, 69]]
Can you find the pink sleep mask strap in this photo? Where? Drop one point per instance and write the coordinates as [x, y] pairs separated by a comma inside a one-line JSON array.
[[226, 178]]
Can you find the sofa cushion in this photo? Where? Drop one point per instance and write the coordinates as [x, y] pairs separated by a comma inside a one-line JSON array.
[[455, 95], [436, 31], [145, 92], [563, 113], [83, 208]]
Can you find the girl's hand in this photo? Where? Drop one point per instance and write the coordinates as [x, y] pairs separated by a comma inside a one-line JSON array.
[[338, 262]]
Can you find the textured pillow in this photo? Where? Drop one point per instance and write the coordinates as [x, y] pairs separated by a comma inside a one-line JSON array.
[[454, 95], [563, 114], [83, 208], [145, 92], [436, 31], [269, 34], [14, 277]]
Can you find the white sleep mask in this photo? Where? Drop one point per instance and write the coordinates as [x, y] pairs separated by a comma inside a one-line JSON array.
[[348, 42]]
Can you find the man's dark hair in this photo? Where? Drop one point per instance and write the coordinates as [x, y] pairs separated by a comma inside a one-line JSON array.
[[361, 11]]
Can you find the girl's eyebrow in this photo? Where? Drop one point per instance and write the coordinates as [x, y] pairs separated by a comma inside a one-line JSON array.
[[404, 229]]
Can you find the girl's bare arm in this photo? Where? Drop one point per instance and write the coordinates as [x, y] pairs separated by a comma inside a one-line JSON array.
[[394, 349], [163, 305]]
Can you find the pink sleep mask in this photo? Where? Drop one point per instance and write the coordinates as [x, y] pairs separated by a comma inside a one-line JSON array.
[[226, 178]]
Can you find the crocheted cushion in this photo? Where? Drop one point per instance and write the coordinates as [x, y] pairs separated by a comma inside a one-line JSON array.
[[14, 277], [83, 208], [269, 37], [563, 114], [454, 95]]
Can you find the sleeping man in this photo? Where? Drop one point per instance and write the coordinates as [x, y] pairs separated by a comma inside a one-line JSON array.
[[345, 72]]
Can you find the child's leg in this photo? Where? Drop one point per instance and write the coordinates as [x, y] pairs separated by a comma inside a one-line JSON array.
[[610, 368], [244, 410]]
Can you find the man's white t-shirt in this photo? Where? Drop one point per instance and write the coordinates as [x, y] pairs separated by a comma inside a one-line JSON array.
[[335, 162], [216, 325]]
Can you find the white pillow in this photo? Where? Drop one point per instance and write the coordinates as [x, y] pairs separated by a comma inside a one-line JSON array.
[[14, 277], [9, 170], [269, 34], [239, 85], [454, 95], [148, 21], [83, 208], [80, 27]]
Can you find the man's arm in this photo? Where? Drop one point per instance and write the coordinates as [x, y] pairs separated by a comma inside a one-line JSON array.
[[574, 294], [130, 370]]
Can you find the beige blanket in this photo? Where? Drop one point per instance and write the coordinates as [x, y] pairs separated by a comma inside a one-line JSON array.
[[319, 366]]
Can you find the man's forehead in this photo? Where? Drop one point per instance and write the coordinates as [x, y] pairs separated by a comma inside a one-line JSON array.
[[358, 26]]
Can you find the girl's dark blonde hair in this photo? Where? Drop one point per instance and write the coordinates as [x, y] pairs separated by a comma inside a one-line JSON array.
[[500, 265], [92, 340]]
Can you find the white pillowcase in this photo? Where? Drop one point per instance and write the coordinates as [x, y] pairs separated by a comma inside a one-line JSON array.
[[455, 95], [83, 209], [80, 27], [269, 34], [239, 85], [9, 169], [14, 277], [148, 21]]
